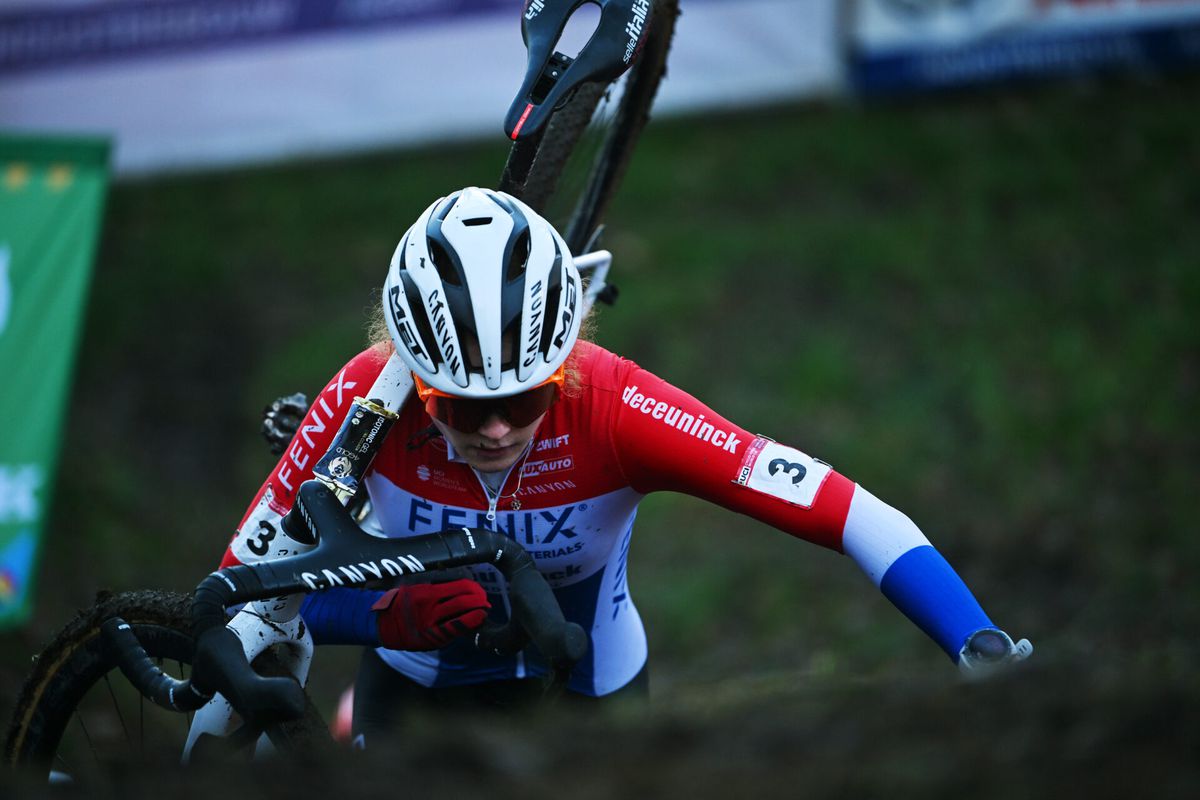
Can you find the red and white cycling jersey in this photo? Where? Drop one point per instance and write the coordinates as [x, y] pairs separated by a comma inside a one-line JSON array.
[[571, 501]]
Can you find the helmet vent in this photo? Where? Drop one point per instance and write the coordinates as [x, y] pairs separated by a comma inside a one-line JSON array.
[[443, 263], [421, 318], [474, 221], [519, 257], [554, 292]]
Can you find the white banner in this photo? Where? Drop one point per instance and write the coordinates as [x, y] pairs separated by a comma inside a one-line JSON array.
[[182, 84]]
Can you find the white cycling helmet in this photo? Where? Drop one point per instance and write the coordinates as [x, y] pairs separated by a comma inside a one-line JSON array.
[[482, 297]]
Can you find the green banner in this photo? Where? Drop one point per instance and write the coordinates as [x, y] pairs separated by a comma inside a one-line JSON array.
[[51, 200]]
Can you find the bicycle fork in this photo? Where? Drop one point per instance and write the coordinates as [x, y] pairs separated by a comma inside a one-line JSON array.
[[258, 633]]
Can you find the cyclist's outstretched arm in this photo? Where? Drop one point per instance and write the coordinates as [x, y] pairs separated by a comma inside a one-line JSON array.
[[665, 439]]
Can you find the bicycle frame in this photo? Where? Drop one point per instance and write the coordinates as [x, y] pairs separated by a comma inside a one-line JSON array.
[[258, 633]]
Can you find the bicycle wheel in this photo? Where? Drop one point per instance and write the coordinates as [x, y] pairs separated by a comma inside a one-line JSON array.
[[572, 172], [77, 718]]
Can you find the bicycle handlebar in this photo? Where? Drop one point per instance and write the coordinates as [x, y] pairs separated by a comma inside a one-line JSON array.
[[345, 556]]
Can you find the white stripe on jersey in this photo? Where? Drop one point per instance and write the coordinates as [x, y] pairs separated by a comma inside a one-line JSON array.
[[877, 534]]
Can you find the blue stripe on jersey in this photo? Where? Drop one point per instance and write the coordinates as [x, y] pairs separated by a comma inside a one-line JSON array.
[[929, 592], [342, 616]]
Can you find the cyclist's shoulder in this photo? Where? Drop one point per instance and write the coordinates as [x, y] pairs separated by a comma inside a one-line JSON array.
[[372, 359], [600, 369], [362, 368]]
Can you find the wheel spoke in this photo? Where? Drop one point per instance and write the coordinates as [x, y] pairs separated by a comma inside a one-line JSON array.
[[87, 736], [117, 707]]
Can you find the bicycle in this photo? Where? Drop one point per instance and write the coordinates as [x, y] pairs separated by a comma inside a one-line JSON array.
[[562, 103], [133, 630]]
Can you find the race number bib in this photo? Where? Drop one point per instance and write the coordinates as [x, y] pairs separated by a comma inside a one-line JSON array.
[[261, 537], [783, 472]]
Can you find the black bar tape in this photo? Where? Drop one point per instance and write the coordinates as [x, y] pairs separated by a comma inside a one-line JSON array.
[[152, 682], [345, 552], [535, 607], [503, 639]]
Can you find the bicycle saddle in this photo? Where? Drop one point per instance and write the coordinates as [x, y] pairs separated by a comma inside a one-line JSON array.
[[550, 76]]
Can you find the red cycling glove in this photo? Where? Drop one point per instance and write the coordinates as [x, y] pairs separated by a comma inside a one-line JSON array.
[[428, 616]]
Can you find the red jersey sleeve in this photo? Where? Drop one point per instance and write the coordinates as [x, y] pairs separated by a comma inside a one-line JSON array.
[[665, 439], [275, 497]]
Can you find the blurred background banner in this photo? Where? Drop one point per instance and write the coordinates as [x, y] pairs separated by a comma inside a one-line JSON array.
[[51, 199], [181, 84], [904, 45]]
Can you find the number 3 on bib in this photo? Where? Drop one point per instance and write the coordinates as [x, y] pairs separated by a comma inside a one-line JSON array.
[[783, 472]]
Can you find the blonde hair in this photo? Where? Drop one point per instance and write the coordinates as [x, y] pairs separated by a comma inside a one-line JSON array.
[[379, 339]]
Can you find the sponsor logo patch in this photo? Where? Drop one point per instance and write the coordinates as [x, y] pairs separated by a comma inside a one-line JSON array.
[[534, 335], [404, 326], [443, 332], [545, 488], [295, 467], [547, 466], [635, 26], [552, 443], [680, 420], [539, 527]]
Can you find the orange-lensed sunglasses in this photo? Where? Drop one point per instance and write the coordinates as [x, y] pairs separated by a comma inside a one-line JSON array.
[[467, 415]]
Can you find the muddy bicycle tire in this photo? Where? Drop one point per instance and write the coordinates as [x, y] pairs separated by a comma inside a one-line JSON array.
[[76, 661], [533, 168]]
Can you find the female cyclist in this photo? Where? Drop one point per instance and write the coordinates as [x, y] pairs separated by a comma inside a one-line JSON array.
[[519, 426]]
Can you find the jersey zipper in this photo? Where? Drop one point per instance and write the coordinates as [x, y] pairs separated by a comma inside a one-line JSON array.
[[494, 499]]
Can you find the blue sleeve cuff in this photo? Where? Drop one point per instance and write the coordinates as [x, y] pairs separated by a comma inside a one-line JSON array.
[[342, 616], [929, 592]]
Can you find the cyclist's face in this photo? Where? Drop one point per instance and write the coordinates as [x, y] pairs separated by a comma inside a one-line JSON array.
[[494, 446]]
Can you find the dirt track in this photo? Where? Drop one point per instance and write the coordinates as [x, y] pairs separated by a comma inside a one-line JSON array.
[[1099, 729]]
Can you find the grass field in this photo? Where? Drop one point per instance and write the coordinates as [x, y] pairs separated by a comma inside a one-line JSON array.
[[983, 308]]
